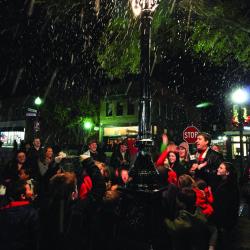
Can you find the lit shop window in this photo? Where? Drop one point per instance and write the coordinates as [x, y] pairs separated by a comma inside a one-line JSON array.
[[8, 137]]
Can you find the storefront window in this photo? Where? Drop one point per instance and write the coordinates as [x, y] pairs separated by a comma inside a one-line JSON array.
[[119, 108], [131, 107], [236, 146], [8, 137], [109, 109]]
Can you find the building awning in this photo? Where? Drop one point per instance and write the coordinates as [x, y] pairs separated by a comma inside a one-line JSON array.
[[236, 133], [120, 131]]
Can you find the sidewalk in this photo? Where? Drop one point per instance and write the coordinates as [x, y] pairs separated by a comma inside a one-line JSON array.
[[242, 237]]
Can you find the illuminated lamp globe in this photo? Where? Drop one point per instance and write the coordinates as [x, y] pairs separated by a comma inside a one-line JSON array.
[[38, 101], [138, 6], [88, 125], [239, 96]]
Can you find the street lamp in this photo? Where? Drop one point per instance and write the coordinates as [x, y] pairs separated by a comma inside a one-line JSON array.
[[88, 125], [144, 9], [144, 175], [38, 102], [239, 97], [144, 191]]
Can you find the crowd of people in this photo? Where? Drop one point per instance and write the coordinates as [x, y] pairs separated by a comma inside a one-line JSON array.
[[44, 206]]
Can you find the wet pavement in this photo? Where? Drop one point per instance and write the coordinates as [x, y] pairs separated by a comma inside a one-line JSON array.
[[242, 235]]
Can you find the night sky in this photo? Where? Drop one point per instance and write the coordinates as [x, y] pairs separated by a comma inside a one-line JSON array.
[[48, 48]]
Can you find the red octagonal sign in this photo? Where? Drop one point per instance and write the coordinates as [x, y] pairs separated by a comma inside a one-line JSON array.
[[190, 134]]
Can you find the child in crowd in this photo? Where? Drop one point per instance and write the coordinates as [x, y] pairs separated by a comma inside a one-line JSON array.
[[25, 175]]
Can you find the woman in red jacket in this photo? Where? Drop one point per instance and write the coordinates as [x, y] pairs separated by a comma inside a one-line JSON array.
[[201, 201]]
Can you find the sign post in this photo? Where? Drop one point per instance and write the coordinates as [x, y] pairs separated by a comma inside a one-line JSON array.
[[190, 134]]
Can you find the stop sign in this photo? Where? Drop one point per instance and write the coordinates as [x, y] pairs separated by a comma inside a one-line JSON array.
[[190, 134]]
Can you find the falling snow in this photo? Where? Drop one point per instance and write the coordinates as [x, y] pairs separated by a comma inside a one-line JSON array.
[[67, 49]]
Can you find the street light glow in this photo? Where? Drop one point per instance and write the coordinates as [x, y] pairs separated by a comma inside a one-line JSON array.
[[204, 105], [136, 7], [239, 96], [38, 101], [139, 5], [224, 138], [88, 125]]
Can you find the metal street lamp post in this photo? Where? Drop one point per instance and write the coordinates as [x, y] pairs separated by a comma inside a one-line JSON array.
[[38, 102], [145, 9], [144, 175], [142, 195], [144, 190], [241, 127], [240, 97]]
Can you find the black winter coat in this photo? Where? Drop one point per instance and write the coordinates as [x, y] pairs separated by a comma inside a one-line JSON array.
[[11, 170], [19, 227], [117, 159], [226, 204], [209, 172], [32, 160]]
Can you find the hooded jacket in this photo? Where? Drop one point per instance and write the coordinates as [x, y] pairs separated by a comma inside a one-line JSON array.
[[189, 231]]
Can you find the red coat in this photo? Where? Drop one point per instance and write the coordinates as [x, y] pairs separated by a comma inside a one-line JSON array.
[[172, 177], [203, 203], [85, 188], [209, 195], [162, 157]]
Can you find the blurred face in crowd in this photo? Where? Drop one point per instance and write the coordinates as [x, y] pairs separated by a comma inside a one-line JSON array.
[[124, 175], [29, 192], [27, 147], [93, 147], [21, 157], [201, 143], [22, 175], [222, 171], [182, 152], [101, 167], [49, 153], [172, 157], [37, 143], [123, 148]]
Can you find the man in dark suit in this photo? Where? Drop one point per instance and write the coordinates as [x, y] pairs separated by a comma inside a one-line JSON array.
[[121, 157], [207, 160], [33, 155]]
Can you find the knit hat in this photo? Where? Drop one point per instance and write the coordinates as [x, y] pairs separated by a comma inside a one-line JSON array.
[[91, 140], [185, 146]]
